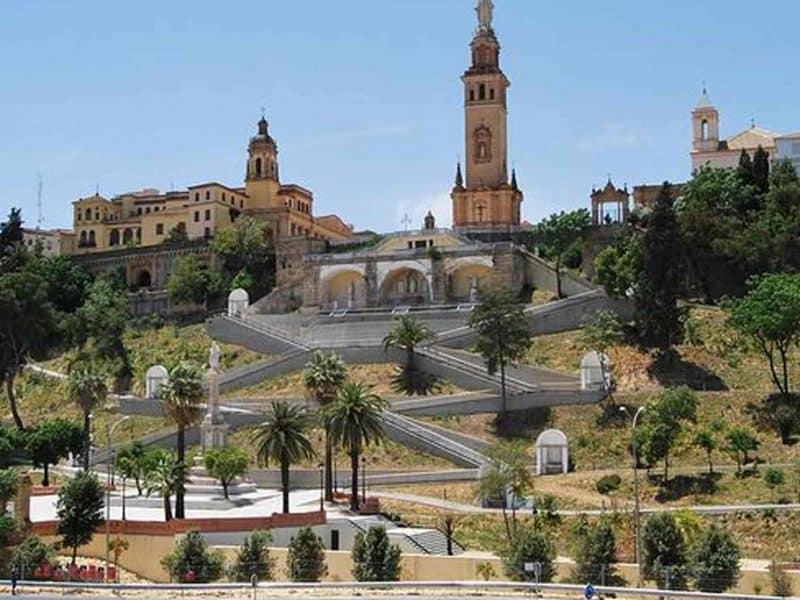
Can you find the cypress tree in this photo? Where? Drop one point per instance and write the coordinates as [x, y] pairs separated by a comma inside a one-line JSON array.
[[761, 170], [745, 169]]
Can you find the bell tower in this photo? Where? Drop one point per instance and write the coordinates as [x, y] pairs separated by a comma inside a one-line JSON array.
[[487, 200], [705, 125], [261, 179]]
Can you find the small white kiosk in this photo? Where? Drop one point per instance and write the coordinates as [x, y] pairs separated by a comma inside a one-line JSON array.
[[552, 452], [238, 303]]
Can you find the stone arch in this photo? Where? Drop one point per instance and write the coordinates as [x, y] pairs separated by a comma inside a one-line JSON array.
[[127, 235], [143, 279], [405, 285], [343, 288], [92, 239], [113, 237], [466, 279]]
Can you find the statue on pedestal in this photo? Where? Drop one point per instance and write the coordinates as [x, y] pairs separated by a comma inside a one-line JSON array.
[[214, 428], [484, 10]]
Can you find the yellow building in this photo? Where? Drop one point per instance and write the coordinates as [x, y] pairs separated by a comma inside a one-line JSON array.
[[146, 218]]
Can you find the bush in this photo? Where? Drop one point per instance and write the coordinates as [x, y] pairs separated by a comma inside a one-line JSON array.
[[608, 483], [780, 581], [374, 558], [715, 560], [192, 562], [597, 557], [30, 555], [664, 550], [305, 560], [530, 544], [253, 558], [773, 477]]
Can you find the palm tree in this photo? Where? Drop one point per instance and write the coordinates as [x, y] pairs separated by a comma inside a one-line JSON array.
[[163, 478], [87, 389], [282, 438], [354, 421], [180, 402], [407, 334], [323, 376]]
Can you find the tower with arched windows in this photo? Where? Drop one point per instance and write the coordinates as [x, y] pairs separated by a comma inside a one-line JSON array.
[[261, 180], [485, 199], [705, 125]]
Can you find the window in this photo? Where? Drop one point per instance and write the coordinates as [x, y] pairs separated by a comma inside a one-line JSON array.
[[258, 167], [207, 232], [796, 148], [159, 229], [420, 244], [147, 210], [472, 95], [88, 214], [704, 130], [208, 215], [155, 209], [223, 196], [241, 203], [482, 91], [197, 216], [491, 93], [139, 210], [410, 245], [197, 196], [208, 195]]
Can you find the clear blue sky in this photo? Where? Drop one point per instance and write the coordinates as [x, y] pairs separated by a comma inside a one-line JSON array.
[[364, 96]]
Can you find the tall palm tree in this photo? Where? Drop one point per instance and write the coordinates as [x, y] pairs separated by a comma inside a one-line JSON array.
[[408, 333], [87, 389], [354, 421], [324, 376], [180, 402], [282, 438], [163, 478]]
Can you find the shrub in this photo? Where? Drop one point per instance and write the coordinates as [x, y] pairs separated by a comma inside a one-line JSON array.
[[530, 545], [305, 559], [780, 581], [192, 562], [664, 550], [597, 557], [30, 555], [715, 560], [773, 477], [608, 483], [253, 558], [374, 557]]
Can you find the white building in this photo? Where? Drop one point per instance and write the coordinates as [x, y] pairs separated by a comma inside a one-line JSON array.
[[51, 242], [788, 147]]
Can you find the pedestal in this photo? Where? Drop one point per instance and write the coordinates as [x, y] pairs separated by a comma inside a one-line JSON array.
[[214, 428]]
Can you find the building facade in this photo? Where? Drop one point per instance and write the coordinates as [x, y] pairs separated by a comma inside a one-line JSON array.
[[49, 242], [788, 148], [483, 197]]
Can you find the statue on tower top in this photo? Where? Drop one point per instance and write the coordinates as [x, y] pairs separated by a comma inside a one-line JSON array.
[[484, 10]]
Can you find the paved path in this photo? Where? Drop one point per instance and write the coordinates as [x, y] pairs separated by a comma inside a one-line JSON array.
[[472, 509]]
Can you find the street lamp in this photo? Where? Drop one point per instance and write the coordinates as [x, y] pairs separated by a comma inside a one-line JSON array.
[[111, 455], [321, 468], [637, 544], [363, 479]]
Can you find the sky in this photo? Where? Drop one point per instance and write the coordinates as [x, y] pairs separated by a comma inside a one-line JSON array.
[[364, 96]]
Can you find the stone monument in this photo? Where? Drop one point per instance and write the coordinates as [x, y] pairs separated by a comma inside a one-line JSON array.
[[214, 428]]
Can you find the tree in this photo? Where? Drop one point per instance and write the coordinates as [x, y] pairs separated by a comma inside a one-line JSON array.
[[714, 560], [374, 557], [507, 479], [32, 554], [282, 438], [164, 476], [27, 324], [68, 283], [659, 319], [505, 336], [560, 233], [617, 268], [663, 424], [253, 559], [597, 557], [246, 249], [10, 240], [191, 281], [132, 464], [8, 487], [10, 441], [408, 333], [305, 558], [226, 464], [706, 440], [323, 377], [79, 510], [192, 561], [769, 314], [602, 331], [51, 441], [176, 235], [773, 478], [104, 317], [87, 390], [664, 552], [354, 420], [180, 401], [761, 169], [531, 544], [745, 169], [741, 442]]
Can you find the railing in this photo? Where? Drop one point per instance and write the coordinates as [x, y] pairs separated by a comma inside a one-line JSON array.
[[433, 438]]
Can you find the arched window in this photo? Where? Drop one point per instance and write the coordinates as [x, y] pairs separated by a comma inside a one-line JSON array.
[[258, 167], [491, 93], [113, 238], [88, 214], [83, 238], [482, 91], [127, 236], [704, 130], [472, 95], [223, 196], [92, 240], [208, 195]]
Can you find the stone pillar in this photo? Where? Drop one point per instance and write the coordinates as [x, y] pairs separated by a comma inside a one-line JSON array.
[[214, 428]]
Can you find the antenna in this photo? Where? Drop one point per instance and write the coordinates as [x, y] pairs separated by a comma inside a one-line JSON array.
[[39, 215]]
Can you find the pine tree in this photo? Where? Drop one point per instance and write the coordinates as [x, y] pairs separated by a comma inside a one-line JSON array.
[[597, 557], [192, 561], [715, 560], [761, 170], [664, 552], [374, 557], [745, 169], [253, 558]]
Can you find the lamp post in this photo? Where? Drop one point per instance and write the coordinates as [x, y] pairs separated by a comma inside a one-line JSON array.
[[363, 479], [321, 468], [637, 545], [111, 455]]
